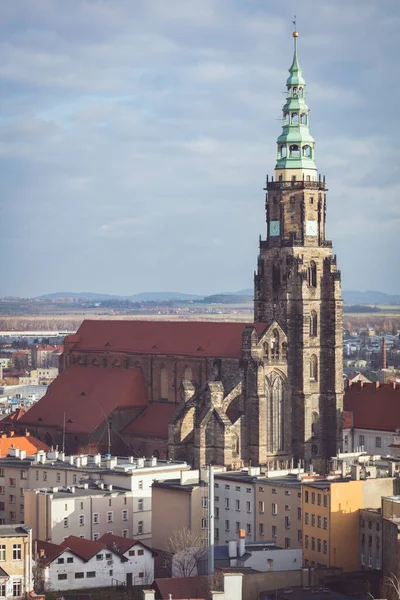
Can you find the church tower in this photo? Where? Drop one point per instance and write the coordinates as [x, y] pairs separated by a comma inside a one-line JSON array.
[[297, 284]]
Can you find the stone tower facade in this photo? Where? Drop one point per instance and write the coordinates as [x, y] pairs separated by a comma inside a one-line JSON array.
[[297, 284]]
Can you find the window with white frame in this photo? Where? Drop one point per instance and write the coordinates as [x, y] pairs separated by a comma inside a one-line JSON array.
[[140, 504], [237, 504], [124, 515], [2, 590], [140, 527], [204, 502], [204, 523], [81, 520], [110, 516], [65, 521], [17, 588], [95, 518], [17, 552], [2, 552], [227, 503]]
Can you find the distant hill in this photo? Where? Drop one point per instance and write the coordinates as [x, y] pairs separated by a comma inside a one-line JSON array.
[[370, 297], [349, 297]]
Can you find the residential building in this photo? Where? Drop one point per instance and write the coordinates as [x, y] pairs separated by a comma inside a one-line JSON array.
[[331, 521], [79, 563], [370, 538], [42, 355], [370, 417], [54, 472], [15, 561], [278, 506], [177, 504], [235, 505], [391, 538]]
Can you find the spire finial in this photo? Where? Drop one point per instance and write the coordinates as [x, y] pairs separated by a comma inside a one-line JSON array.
[[295, 33]]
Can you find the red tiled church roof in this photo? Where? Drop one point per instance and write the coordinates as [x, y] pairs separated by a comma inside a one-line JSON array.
[[374, 406], [152, 421], [185, 338], [86, 396]]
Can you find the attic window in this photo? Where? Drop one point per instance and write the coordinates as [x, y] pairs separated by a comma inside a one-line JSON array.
[[69, 421], [40, 419], [83, 393], [107, 344], [200, 349]]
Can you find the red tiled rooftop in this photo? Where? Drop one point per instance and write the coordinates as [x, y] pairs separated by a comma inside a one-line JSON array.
[[121, 544], [28, 443], [185, 338], [86, 396], [182, 588], [374, 406], [49, 551], [84, 548], [152, 421]]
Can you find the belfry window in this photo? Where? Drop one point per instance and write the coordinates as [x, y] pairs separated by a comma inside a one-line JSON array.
[[286, 118], [301, 92], [303, 119], [313, 368], [307, 151], [313, 323], [294, 151], [282, 152], [295, 91], [312, 274], [295, 118]]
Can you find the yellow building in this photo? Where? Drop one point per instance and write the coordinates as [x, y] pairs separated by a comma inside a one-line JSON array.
[[331, 521], [15, 561]]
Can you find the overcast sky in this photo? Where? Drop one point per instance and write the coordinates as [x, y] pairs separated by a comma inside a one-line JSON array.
[[135, 136]]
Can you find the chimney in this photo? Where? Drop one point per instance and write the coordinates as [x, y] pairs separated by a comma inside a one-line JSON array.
[[41, 553], [384, 352], [232, 549], [149, 595], [242, 542]]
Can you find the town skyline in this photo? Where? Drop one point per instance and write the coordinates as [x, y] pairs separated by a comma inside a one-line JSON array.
[[136, 140]]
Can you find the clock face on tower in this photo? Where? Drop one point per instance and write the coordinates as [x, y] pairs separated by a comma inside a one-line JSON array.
[[274, 228], [312, 228]]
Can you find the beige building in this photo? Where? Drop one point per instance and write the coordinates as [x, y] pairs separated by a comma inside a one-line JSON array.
[[178, 504], [278, 507], [15, 561]]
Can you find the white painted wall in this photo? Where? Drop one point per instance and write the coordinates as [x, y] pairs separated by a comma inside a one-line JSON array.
[[289, 559], [351, 440], [109, 567], [246, 518], [232, 588]]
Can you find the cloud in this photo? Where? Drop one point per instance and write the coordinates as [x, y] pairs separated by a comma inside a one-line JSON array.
[[135, 138]]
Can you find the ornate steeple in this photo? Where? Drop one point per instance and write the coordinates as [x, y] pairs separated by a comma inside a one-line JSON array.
[[295, 144]]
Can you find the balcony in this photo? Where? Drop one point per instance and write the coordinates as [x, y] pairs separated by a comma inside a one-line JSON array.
[[296, 185]]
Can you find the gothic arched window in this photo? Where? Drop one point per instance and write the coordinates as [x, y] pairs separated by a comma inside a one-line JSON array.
[[164, 383], [188, 375], [312, 274], [274, 390], [314, 368], [313, 323], [275, 344]]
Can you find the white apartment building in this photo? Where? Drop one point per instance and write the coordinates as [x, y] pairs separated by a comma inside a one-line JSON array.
[[88, 485], [234, 497]]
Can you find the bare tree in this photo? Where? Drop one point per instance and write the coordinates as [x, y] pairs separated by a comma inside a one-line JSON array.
[[184, 551], [392, 587]]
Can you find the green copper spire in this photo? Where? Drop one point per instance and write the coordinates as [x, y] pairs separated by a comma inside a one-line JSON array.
[[295, 144]]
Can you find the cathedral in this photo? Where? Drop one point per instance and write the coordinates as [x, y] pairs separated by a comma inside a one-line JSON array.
[[229, 394]]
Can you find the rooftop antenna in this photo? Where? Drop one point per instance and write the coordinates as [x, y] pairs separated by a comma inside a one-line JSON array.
[[109, 436]]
